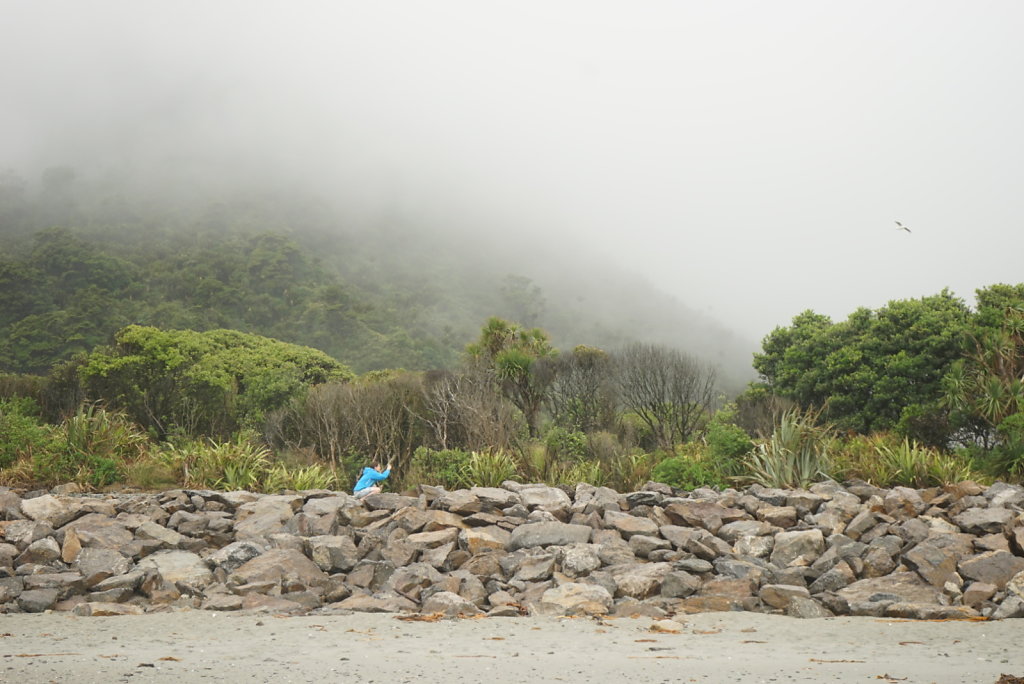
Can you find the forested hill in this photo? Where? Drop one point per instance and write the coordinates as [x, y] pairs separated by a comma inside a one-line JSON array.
[[80, 261]]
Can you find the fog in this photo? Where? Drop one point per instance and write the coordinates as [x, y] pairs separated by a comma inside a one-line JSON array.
[[747, 158]]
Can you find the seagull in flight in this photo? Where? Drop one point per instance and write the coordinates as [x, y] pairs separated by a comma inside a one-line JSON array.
[[900, 226]]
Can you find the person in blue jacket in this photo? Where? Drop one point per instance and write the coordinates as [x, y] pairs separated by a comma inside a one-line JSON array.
[[367, 483]]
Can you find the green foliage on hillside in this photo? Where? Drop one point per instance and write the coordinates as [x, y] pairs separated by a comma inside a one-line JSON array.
[[201, 383]]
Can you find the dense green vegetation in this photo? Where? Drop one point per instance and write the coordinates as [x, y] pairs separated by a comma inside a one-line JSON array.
[[252, 345]]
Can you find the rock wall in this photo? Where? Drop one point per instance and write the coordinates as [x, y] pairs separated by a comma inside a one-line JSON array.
[[521, 549]]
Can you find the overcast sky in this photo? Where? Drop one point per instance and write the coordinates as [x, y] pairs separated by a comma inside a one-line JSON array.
[[750, 158]]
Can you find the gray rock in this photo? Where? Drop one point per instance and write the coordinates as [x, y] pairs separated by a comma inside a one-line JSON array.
[[734, 531], [781, 595], [984, 520], [51, 510], [42, 551], [449, 604], [579, 560], [332, 553], [37, 600], [234, 555], [287, 568], [168, 538], [382, 603], [643, 545], [547, 534], [807, 608], [639, 581], [182, 569], [544, 497], [872, 596], [10, 505], [679, 584], [573, 598], [98, 564], [797, 548], [994, 567], [936, 558]]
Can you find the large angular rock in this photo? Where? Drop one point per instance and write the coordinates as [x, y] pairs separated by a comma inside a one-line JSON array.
[[494, 497], [872, 596], [579, 560], [781, 595], [234, 555], [51, 510], [37, 600], [265, 517], [903, 503], [461, 502], [336, 553], [936, 558], [10, 505], [432, 540], [42, 552], [639, 581], [573, 598], [708, 515], [167, 538], [287, 568], [449, 604], [544, 497], [798, 548], [482, 539], [984, 520], [182, 569], [548, 534], [993, 567], [411, 580], [679, 584], [96, 530], [98, 564], [732, 532], [381, 603]]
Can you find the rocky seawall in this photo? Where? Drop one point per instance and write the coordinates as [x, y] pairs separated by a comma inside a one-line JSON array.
[[521, 549]]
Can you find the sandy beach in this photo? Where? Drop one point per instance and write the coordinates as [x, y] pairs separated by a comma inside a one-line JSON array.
[[710, 647]]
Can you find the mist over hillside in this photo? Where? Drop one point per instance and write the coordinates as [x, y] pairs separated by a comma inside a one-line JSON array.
[[433, 285]]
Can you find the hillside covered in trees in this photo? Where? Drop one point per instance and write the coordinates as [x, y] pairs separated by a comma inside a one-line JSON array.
[[258, 340], [85, 257]]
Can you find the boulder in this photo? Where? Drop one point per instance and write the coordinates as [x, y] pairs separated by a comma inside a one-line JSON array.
[[332, 553], [797, 548], [993, 567], [544, 497], [234, 555], [286, 568], [548, 534], [639, 581], [51, 510], [449, 604], [182, 569], [984, 520], [574, 598]]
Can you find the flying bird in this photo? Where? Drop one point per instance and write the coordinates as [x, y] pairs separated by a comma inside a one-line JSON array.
[[900, 226]]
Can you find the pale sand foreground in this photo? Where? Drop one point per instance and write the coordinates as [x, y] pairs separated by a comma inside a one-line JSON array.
[[711, 647]]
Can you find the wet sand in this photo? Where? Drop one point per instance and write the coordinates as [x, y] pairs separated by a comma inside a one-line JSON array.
[[196, 646]]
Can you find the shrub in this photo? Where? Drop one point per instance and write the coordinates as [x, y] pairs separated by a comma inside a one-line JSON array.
[[280, 477], [566, 444], [232, 465], [445, 468], [689, 472], [489, 469], [628, 472], [94, 446], [22, 434], [796, 454]]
